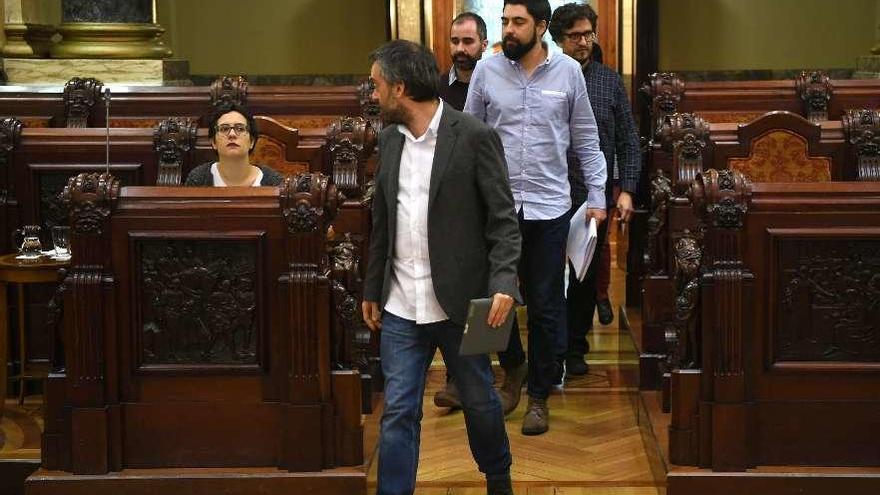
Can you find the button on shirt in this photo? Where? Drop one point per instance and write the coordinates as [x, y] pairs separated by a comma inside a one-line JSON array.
[[411, 294], [538, 118]]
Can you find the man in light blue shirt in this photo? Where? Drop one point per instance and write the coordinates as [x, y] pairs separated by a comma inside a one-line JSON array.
[[537, 102]]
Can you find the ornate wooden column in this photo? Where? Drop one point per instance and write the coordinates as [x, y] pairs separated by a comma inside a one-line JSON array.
[[89, 301], [721, 199], [308, 203]]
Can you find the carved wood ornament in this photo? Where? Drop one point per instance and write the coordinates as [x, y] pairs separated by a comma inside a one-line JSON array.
[[665, 89], [661, 194], [350, 141], [685, 135], [369, 107], [862, 129], [815, 90], [89, 199], [229, 90], [172, 140], [80, 95]]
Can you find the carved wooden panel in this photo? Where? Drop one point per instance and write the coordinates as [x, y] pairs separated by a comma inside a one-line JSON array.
[[828, 300], [198, 301]]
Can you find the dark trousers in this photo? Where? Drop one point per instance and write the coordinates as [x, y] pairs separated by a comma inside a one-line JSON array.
[[581, 300], [541, 272]]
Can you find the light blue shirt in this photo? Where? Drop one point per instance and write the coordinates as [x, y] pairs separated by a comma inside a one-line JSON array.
[[538, 118]]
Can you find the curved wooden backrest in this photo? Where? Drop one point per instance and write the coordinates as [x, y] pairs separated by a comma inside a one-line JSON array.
[[783, 147]]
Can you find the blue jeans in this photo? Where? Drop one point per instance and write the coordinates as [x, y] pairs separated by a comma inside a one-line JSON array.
[[407, 349]]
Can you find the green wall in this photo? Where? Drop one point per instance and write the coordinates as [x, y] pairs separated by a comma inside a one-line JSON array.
[[698, 35], [270, 37]]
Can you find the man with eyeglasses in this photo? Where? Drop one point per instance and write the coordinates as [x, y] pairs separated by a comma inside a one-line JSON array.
[[573, 29], [537, 102]]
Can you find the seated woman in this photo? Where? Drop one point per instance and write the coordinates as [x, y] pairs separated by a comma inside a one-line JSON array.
[[233, 133]]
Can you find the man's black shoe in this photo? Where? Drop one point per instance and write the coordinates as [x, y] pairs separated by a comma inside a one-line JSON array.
[[559, 373], [606, 314], [499, 487], [576, 366]]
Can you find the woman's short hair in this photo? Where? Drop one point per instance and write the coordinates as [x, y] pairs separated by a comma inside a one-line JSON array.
[[248, 117]]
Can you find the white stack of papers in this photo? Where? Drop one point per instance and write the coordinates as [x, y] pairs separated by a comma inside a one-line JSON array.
[[582, 240]]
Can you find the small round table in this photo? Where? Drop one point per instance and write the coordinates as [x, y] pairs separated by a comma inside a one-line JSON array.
[[20, 272]]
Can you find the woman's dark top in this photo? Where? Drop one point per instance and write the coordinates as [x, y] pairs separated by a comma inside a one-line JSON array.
[[201, 176]]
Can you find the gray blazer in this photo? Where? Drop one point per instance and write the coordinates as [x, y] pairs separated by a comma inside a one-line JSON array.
[[473, 234]]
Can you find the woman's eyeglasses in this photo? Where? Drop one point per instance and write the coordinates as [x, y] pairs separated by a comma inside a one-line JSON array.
[[225, 129]]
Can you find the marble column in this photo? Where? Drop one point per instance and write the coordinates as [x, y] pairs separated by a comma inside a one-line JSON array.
[[26, 37], [110, 29]]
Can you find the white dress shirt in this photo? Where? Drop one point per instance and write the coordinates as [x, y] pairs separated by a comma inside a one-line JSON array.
[[411, 294]]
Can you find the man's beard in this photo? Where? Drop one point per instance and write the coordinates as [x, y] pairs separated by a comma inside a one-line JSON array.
[[393, 115], [519, 49], [583, 56], [464, 62]]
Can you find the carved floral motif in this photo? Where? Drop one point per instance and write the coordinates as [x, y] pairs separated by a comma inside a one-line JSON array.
[[307, 201], [661, 193], [172, 139], [815, 90], [720, 197], [229, 90], [688, 260], [862, 129], [10, 136], [782, 156], [685, 135], [89, 200], [80, 95], [665, 89]]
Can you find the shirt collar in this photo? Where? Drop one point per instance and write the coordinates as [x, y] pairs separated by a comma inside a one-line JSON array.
[[432, 126], [453, 76]]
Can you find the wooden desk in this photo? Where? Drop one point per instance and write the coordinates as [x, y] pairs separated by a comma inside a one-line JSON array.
[[20, 272]]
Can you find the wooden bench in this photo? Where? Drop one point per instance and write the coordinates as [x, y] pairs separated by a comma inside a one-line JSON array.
[[786, 364], [778, 147], [197, 335]]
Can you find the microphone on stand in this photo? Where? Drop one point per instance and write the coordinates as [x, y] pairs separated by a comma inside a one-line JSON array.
[[107, 126]]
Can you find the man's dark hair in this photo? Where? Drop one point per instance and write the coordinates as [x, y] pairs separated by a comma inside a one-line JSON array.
[[470, 16], [234, 107], [402, 61], [564, 18], [538, 9]]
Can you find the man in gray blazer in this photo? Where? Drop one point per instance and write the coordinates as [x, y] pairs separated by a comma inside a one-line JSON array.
[[444, 232]]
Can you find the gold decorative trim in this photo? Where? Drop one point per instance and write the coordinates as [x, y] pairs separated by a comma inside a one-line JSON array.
[[110, 40]]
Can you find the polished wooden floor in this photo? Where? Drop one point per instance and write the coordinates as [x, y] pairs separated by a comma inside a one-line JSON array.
[[596, 443]]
